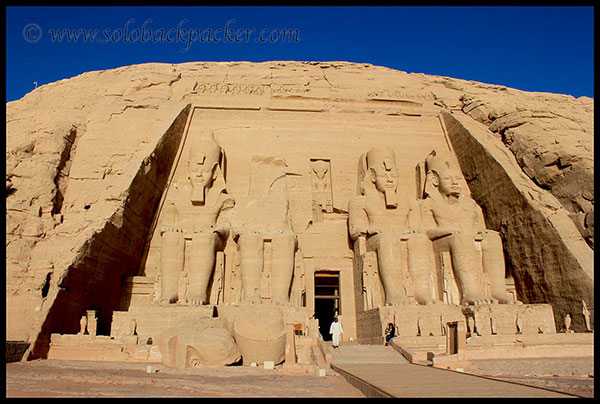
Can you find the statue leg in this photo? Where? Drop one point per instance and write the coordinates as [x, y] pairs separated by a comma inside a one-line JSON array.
[[251, 251], [282, 267], [171, 265], [493, 265], [390, 270], [202, 264], [419, 266], [466, 269]]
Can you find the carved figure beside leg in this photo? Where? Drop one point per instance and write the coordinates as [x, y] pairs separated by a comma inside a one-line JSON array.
[[284, 248]]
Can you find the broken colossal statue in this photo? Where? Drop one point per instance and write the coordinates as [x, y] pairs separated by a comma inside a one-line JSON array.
[[455, 224], [384, 220], [262, 222], [207, 199]]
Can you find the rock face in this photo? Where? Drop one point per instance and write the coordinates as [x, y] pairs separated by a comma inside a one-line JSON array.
[[89, 158], [552, 140], [540, 234]]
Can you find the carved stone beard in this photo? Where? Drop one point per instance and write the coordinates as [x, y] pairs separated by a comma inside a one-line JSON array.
[[200, 188], [389, 194], [198, 194], [391, 198]]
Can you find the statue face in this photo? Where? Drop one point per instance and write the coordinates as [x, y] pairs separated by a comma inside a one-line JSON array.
[[449, 182], [385, 174], [201, 170]]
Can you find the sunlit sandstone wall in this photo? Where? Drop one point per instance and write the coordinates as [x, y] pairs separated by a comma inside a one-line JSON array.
[[298, 135], [76, 147]]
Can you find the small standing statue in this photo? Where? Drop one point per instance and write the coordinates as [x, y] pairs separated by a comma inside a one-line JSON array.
[[470, 326], [518, 325], [492, 324], [83, 325], [133, 327], [567, 323], [586, 316]]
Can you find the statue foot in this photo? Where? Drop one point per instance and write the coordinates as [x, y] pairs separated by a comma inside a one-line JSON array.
[[402, 301], [281, 301], [168, 300], [252, 300], [429, 301], [475, 300], [196, 300], [504, 299]]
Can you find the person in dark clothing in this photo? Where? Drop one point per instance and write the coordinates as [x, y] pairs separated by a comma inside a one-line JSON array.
[[390, 332]]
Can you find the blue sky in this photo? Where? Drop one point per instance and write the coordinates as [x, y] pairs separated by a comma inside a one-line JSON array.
[[530, 48]]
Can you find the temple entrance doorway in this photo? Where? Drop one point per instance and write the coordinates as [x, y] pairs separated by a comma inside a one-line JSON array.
[[327, 300]]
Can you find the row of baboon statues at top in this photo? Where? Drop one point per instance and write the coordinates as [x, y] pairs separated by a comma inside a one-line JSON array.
[[446, 219]]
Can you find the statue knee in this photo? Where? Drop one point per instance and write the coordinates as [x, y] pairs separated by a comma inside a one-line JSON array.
[[491, 241], [385, 243], [249, 240], [462, 242], [420, 243], [284, 242], [204, 240]]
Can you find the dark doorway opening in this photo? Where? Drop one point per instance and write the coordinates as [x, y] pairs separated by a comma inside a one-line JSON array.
[[327, 300], [453, 338]]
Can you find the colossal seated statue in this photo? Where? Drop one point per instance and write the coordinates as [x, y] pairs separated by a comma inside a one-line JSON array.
[[264, 218], [205, 226], [384, 220], [454, 223]]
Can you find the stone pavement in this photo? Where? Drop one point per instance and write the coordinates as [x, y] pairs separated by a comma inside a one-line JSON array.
[[77, 379], [381, 371]]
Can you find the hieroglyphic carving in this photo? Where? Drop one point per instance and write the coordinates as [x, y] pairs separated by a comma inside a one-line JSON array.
[[322, 197], [279, 90], [228, 88], [399, 95]]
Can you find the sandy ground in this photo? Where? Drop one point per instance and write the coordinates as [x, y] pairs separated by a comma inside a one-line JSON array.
[[43, 378], [569, 375], [53, 378]]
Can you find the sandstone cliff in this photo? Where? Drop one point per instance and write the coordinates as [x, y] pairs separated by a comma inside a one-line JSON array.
[[87, 159]]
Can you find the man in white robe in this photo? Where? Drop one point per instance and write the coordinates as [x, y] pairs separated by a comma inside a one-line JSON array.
[[335, 330]]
